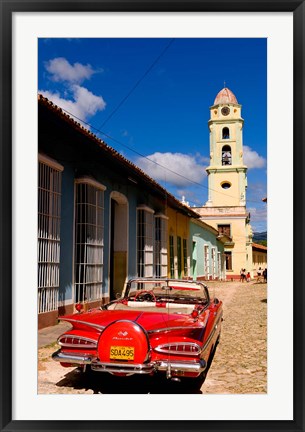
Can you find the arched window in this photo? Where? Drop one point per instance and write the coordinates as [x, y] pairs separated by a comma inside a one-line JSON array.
[[226, 155], [225, 133]]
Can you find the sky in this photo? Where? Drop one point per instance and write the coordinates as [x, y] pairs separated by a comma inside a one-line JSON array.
[[149, 99]]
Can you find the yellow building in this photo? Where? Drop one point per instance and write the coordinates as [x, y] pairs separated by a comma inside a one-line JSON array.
[[259, 257], [178, 254], [226, 209]]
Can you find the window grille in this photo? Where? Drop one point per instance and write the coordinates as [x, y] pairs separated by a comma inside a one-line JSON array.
[[185, 264], [172, 256], [206, 261], [160, 246], [179, 260], [145, 240], [225, 230], [89, 240], [49, 201], [219, 265], [228, 257], [213, 262]]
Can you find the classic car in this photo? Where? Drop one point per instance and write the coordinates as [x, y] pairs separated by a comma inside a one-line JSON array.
[[164, 326]]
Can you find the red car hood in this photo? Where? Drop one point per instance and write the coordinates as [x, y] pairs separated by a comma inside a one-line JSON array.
[[97, 319]]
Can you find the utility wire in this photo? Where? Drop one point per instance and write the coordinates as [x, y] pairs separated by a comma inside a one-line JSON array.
[[150, 160], [137, 83]]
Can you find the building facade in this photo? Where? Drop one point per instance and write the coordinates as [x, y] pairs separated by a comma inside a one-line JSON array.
[[101, 220], [226, 209], [207, 256]]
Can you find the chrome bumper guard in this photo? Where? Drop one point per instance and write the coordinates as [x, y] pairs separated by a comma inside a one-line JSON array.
[[128, 368], [177, 366], [69, 358]]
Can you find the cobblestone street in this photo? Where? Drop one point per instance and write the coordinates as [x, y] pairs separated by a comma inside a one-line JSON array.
[[239, 365]]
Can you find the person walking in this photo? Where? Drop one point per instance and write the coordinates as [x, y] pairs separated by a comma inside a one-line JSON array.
[[265, 275], [259, 275], [248, 277]]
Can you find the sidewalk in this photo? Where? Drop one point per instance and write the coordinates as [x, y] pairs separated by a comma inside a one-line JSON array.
[[48, 335]]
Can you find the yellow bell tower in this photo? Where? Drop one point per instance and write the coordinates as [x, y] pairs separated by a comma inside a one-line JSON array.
[[227, 174], [225, 209]]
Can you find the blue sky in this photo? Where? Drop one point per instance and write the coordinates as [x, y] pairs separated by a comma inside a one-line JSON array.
[[149, 99]]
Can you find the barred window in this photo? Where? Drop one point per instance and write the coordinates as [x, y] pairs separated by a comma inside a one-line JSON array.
[[213, 251], [185, 264], [206, 261], [219, 267], [179, 260], [49, 201], [225, 229], [171, 256], [160, 246], [228, 258], [145, 241], [89, 240]]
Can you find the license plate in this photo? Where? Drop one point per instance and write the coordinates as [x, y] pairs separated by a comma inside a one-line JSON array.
[[121, 353]]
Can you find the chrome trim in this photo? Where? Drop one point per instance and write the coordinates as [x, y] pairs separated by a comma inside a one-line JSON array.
[[92, 343], [167, 280], [146, 368], [161, 348], [173, 328], [177, 366], [211, 334], [70, 358], [96, 326]]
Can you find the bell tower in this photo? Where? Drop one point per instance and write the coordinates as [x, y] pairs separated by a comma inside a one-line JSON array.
[[227, 174], [225, 209]]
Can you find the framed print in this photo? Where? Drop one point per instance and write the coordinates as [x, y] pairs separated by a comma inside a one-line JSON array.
[[120, 175]]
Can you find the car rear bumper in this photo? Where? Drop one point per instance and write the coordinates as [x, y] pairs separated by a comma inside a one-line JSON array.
[[176, 367]]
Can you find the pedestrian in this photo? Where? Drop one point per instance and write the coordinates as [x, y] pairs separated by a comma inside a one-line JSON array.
[[248, 277], [241, 275], [265, 275], [259, 275], [244, 275]]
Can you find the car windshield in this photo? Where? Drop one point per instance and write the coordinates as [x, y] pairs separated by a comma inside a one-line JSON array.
[[169, 290]]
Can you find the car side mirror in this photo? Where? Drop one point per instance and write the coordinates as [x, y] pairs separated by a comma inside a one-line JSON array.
[[216, 301]]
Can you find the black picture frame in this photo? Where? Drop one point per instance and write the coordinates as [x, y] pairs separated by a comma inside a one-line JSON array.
[[7, 9]]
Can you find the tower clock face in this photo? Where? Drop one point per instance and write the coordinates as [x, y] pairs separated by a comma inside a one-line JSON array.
[[225, 111]]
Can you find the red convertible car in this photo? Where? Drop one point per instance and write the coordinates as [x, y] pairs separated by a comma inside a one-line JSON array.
[[158, 325]]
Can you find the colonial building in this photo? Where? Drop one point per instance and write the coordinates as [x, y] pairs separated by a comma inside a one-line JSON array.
[[226, 209], [101, 220], [259, 257]]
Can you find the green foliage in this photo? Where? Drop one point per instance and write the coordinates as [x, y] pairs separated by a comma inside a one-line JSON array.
[[262, 242]]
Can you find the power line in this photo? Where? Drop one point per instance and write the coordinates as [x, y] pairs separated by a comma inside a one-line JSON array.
[[137, 83], [150, 160]]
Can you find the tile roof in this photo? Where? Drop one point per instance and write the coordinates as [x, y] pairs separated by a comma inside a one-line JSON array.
[[259, 246]]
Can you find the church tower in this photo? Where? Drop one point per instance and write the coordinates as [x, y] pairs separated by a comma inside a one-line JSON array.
[[227, 174], [225, 209]]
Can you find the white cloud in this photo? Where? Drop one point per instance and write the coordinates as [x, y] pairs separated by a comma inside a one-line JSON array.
[[186, 167], [258, 218], [252, 159], [83, 105], [61, 70]]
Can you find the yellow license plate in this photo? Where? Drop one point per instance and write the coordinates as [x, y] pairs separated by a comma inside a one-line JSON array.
[[121, 353]]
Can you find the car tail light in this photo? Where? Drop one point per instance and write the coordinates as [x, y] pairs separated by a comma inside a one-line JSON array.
[[79, 307], [195, 313], [70, 341], [184, 348]]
